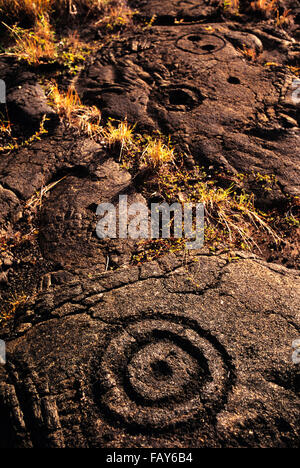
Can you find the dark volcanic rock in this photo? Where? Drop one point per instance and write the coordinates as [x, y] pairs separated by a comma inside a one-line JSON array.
[[8, 205], [194, 83], [171, 9], [68, 220], [192, 351], [86, 176], [167, 355], [27, 104], [29, 169]]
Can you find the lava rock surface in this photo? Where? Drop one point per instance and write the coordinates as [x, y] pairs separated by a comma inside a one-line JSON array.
[[194, 83], [185, 351], [208, 363]]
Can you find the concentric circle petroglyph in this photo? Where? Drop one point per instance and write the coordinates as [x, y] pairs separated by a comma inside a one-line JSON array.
[[158, 373], [200, 43]]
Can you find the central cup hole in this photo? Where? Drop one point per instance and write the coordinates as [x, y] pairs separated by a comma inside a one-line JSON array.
[[161, 369], [234, 80], [195, 38], [208, 47], [177, 97]]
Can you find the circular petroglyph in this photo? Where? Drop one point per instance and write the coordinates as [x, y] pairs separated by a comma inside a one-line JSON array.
[[181, 97], [200, 43], [158, 373]]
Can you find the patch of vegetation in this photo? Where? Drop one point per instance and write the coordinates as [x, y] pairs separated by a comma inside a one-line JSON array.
[[34, 45], [39, 45], [266, 8], [150, 250], [8, 142], [232, 219], [231, 6], [249, 53], [20, 9], [12, 306], [259, 8], [230, 213], [70, 108], [120, 137], [72, 52], [38, 41], [157, 154]]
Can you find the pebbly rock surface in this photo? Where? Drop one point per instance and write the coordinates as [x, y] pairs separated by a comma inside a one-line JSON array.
[[206, 364]]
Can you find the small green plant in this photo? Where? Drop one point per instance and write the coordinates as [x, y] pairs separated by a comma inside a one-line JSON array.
[[150, 250], [72, 52], [231, 6]]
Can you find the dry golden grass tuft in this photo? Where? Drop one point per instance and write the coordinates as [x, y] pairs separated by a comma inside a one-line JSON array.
[[34, 45], [34, 9], [36, 201], [285, 18], [121, 135], [70, 108], [157, 154], [66, 103], [116, 14], [5, 127], [25, 8]]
